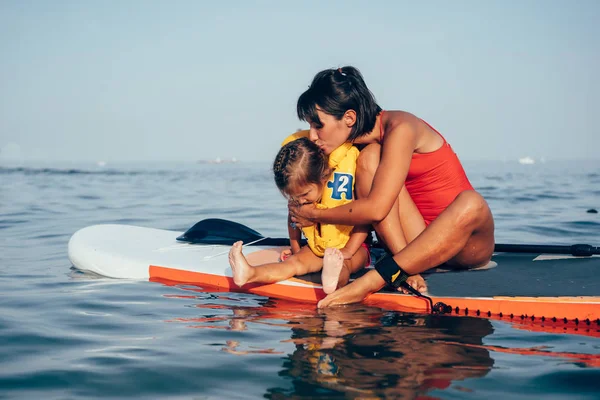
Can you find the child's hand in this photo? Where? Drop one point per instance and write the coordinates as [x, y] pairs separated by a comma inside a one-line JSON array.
[[285, 254]]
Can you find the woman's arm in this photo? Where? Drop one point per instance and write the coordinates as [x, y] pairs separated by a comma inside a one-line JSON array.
[[400, 143]]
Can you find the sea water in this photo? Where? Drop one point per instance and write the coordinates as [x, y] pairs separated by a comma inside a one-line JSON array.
[[70, 335]]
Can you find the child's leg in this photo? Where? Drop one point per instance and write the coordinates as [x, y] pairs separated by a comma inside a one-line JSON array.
[[336, 270], [301, 263]]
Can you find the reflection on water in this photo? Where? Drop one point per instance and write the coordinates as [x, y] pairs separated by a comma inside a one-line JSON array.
[[358, 350], [365, 350]]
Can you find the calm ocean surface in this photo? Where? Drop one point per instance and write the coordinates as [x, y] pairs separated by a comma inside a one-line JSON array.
[[68, 335]]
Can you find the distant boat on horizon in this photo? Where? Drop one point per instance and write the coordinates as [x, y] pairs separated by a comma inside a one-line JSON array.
[[526, 160], [218, 160]]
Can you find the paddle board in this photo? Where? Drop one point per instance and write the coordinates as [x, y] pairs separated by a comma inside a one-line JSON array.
[[545, 288]]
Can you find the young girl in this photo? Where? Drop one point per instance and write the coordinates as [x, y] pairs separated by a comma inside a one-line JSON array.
[[305, 175], [417, 195]]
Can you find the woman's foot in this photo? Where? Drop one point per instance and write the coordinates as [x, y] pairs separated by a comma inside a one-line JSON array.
[[355, 291], [242, 271], [333, 261], [417, 282]]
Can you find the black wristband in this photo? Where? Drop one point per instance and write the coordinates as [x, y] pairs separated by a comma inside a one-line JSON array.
[[390, 271]]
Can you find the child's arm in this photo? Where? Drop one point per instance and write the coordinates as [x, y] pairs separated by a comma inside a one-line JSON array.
[[357, 238], [295, 236]]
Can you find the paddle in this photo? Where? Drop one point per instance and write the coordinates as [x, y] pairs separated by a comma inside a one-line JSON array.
[[225, 232]]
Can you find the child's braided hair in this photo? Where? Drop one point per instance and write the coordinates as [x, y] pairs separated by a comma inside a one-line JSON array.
[[299, 163]]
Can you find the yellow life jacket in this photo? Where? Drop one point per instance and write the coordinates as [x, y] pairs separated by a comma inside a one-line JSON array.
[[337, 191]]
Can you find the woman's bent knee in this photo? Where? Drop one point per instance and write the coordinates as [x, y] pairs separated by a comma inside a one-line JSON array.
[[368, 160], [474, 211], [477, 220]]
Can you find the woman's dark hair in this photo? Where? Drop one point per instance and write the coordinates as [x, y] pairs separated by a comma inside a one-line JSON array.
[[299, 163], [335, 91]]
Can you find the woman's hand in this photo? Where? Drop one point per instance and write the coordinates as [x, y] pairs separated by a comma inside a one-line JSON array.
[[302, 215]]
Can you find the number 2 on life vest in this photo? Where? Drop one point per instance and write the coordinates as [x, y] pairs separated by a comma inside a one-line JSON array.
[[342, 183]]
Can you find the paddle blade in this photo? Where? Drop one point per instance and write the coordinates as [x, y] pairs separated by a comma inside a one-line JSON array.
[[219, 231]]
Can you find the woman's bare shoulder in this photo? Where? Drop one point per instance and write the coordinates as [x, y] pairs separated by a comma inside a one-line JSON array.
[[426, 139], [399, 115], [397, 120]]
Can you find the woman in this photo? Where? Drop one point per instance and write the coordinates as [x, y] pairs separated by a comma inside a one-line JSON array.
[[419, 199]]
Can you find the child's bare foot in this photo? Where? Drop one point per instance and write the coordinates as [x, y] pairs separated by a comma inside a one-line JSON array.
[[417, 282], [333, 260], [242, 271]]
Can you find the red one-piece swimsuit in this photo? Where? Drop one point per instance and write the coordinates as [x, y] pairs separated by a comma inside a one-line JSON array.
[[434, 179]]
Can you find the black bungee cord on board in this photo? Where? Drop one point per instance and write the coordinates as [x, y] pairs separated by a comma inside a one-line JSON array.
[[437, 308], [396, 277]]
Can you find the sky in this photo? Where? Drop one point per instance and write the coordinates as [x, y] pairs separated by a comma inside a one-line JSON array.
[[148, 80]]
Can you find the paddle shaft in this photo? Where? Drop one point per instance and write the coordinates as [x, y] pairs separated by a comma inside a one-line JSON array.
[[580, 250], [220, 231]]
